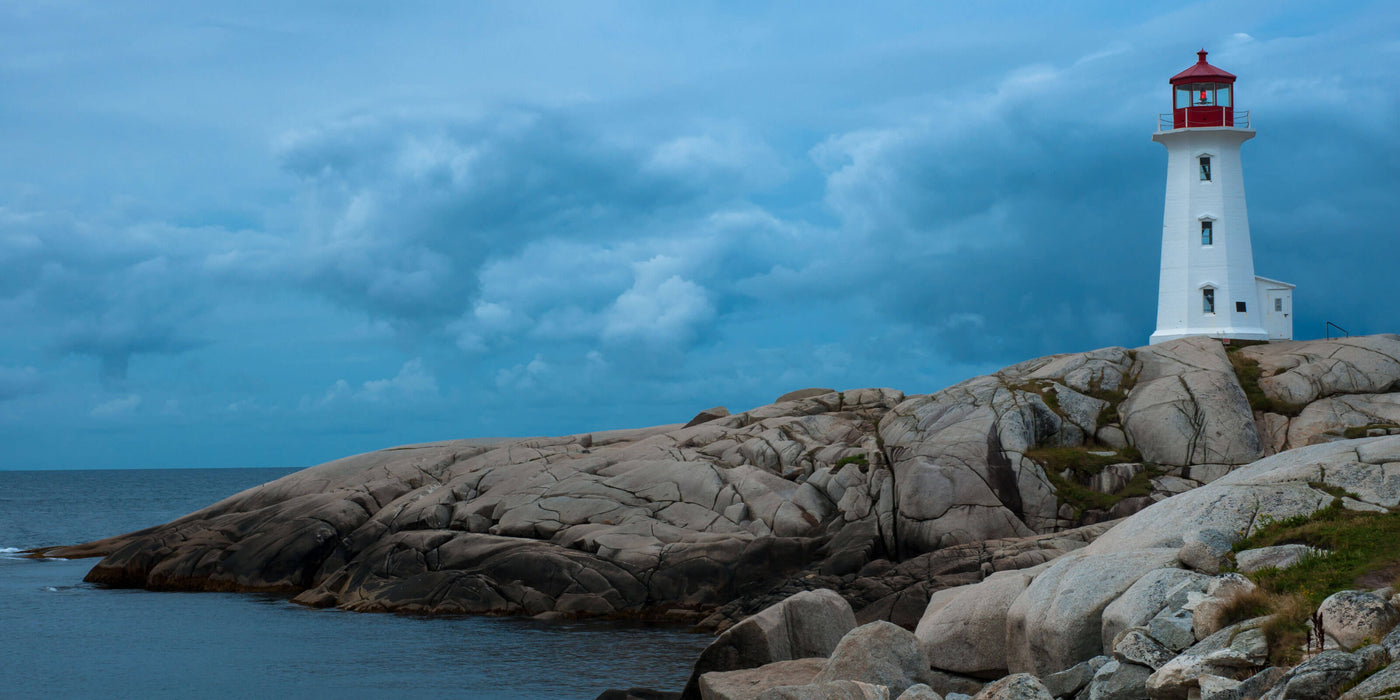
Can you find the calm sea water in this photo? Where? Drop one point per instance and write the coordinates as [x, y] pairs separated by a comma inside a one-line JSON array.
[[62, 638]]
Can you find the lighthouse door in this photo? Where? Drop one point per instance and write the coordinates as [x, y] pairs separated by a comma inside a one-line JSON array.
[[1278, 313]]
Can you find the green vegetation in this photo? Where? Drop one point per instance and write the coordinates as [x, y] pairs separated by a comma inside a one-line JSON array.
[[852, 459], [1084, 462], [1070, 468], [1359, 543], [1248, 373], [1109, 414], [1361, 546], [1361, 430], [1042, 387]]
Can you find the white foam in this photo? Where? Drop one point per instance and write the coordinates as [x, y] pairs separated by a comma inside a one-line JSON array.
[[9, 550]]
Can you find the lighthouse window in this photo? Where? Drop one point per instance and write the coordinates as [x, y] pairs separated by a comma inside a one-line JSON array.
[[1205, 168], [1222, 94], [1240, 307], [1208, 300], [1207, 233], [1278, 305]]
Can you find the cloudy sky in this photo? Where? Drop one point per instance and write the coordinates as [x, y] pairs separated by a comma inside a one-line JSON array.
[[271, 234]]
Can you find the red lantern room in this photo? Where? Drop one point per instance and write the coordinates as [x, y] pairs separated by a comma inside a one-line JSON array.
[[1203, 95]]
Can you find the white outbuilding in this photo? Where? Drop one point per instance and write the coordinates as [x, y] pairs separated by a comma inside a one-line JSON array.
[[1208, 286]]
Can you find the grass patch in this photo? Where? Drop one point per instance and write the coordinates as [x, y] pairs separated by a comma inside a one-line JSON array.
[[1043, 388], [1070, 468], [1082, 461], [852, 459], [1358, 543], [1248, 373], [1109, 414], [1360, 430]]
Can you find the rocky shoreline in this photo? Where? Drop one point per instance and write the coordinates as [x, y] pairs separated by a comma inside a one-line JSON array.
[[986, 532]]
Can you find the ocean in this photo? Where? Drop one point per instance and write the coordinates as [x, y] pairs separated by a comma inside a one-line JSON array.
[[62, 638]]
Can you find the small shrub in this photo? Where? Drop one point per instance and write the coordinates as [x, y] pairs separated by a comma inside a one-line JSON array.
[[1247, 606], [1287, 627]]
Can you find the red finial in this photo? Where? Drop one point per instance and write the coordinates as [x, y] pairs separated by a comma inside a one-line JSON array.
[[1202, 55]]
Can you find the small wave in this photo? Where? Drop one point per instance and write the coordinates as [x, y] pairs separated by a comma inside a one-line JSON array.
[[9, 550]]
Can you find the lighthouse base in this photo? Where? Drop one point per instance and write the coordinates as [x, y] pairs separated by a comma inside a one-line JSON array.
[[1221, 333]]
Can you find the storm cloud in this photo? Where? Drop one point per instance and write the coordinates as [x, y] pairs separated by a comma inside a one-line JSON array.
[[276, 236]]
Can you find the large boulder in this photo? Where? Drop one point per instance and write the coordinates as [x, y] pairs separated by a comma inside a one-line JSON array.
[[1057, 621], [1330, 418], [1018, 686], [1236, 651], [1146, 598], [1356, 618], [1384, 683], [967, 634], [1188, 407], [1302, 372], [1277, 557], [749, 683], [1120, 680], [1322, 677], [805, 625], [959, 455], [879, 653]]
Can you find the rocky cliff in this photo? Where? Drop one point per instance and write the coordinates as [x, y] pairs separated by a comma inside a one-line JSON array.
[[884, 498]]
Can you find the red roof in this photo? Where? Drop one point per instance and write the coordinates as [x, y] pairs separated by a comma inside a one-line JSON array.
[[1202, 72]]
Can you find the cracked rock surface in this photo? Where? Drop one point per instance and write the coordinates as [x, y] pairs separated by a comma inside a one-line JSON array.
[[882, 497]]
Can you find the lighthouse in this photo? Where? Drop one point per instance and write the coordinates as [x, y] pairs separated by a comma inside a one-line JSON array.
[[1208, 286]]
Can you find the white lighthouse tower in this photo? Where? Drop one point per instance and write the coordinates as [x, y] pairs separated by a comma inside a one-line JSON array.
[[1208, 286]]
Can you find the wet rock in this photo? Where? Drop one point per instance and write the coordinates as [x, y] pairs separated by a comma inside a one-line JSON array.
[[638, 694]]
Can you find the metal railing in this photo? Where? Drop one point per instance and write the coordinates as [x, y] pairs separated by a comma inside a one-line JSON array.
[[1343, 331], [1167, 122]]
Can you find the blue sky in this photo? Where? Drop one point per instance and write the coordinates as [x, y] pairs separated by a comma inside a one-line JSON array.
[[272, 234]]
